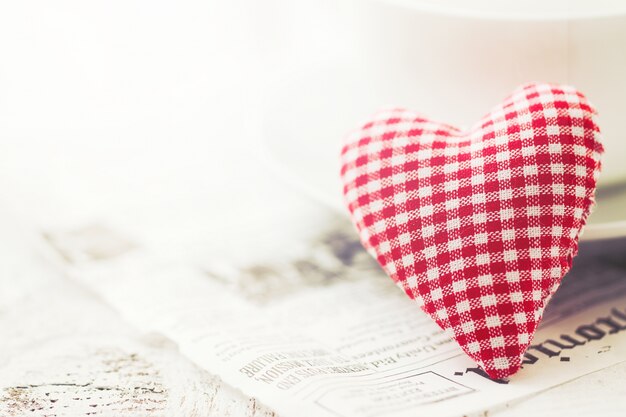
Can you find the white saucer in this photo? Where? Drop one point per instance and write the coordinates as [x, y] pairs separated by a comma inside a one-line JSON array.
[[309, 115]]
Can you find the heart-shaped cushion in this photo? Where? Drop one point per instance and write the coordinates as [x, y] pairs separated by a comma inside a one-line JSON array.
[[478, 226]]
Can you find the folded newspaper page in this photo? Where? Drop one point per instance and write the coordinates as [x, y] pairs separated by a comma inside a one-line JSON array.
[[321, 331]]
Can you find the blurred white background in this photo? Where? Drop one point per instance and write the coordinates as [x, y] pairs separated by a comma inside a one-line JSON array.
[[143, 114]]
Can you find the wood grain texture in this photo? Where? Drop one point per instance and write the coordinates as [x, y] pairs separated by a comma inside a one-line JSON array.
[[69, 355]]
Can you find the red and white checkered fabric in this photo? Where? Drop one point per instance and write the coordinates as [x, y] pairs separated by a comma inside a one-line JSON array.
[[478, 226]]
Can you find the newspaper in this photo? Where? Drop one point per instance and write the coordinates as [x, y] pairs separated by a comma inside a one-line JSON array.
[[319, 330]]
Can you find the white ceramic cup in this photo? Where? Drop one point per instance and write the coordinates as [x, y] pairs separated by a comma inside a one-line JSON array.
[[455, 66], [451, 60]]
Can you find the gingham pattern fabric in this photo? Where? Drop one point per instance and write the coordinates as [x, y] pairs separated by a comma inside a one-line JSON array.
[[478, 226]]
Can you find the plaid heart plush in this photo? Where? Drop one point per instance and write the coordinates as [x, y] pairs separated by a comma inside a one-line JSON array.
[[478, 226]]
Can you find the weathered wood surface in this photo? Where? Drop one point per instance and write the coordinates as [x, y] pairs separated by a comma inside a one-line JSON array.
[[64, 353]]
